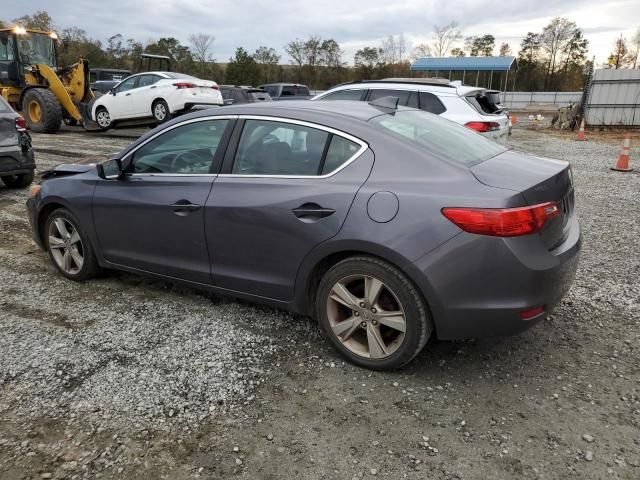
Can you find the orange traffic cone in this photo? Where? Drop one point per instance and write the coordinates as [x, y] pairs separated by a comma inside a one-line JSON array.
[[580, 137], [623, 159]]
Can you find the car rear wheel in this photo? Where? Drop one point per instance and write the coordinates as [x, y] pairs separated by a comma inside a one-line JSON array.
[[160, 111], [103, 119], [18, 181], [69, 247], [372, 313]]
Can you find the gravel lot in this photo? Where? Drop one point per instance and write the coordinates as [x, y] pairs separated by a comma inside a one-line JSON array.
[[130, 378]]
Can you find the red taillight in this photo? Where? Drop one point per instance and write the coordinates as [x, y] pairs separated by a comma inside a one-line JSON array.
[[531, 313], [181, 85], [215, 87], [483, 126], [21, 124], [503, 222]]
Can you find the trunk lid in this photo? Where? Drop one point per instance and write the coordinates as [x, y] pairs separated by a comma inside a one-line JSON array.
[[538, 180]]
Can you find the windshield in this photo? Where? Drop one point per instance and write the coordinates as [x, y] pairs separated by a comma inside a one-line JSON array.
[[36, 48], [441, 137]]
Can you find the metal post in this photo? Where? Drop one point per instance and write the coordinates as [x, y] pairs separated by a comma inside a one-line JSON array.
[[449, 75], [506, 79], [477, 77], [463, 72], [491, 80]]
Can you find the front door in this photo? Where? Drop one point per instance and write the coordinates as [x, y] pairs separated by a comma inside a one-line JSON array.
[[288, 188], [153, 219], [121, 104]]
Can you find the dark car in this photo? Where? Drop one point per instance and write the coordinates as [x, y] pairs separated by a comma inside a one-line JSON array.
[[286, 91], [234, 95], [17, 163], [386, 224]]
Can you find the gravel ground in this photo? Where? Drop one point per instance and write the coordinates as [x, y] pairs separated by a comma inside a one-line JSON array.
[[130, 378]]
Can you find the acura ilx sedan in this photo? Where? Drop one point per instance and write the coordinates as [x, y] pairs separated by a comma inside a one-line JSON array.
[[385, 223]]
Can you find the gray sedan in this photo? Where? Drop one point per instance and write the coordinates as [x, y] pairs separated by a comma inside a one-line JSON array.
[[386, 224], [17, 163]]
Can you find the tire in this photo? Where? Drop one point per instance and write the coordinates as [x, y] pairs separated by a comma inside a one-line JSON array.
[[357, 332], [103, 119], [157, 109], [65, 246], [42, 110], [18, 181], [71, 122]]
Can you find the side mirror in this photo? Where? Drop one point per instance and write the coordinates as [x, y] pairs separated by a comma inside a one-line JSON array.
[[112, 91], [110, 169]]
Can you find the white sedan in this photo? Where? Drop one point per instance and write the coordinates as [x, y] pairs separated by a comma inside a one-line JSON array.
[[153, 95]]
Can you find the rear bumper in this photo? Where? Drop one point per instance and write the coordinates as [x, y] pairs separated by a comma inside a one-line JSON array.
[[478, 286], [14, 160]]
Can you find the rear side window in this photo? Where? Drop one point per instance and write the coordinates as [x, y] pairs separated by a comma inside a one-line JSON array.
[[339, 152], [345, 95], [430, 103], [273, 91], [406, 98], [438, 136], [289, 91]]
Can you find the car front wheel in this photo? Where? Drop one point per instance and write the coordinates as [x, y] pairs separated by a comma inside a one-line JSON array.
[[372, 313], [160, 111], [69, 247]]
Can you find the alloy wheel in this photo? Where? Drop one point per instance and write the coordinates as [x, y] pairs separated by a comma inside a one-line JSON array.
[[159, 111], [66, 246], [366, 316], [103, 118]]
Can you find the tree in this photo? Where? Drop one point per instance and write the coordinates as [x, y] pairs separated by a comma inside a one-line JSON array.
[[634, 48], [389, 50], [367, 60], [422, 50], [457, 52], [40, 20], [201, 45], [267, 60], [529, 64], [553, 41], [444, 37], [505, 49], [242, 69], [296, 50], [618, 58], [180, 55], [480, 46], [312, 57], [402, 47]]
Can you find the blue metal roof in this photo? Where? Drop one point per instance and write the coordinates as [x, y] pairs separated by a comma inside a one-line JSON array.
[[497, 64]]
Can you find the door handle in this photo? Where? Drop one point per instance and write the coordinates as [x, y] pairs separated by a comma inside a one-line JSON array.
[[127, 94], [312, 211], [154, 86], [184, 207]]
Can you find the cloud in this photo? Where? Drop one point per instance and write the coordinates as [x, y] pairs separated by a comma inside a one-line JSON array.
[[353, 24]]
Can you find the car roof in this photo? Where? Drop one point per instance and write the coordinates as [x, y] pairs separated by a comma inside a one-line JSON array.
[[411, 85], [284, 84]]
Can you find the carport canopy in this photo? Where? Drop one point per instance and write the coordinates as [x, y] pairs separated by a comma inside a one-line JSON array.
[[445, 66]]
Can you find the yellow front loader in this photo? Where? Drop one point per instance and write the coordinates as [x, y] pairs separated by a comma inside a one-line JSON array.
[[32, 82]]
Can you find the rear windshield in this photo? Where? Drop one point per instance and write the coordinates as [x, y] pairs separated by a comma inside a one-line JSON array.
[[441, 137], [259, 95], [484, 104], [179, 75]]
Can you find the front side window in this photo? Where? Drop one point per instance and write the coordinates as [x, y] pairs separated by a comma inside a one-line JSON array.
[[6, 47], [344, 95], [128, 84], [438, 136], [146, 80], [187, 149]]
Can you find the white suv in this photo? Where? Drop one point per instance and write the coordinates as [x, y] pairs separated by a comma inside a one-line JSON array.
[[469, 106]]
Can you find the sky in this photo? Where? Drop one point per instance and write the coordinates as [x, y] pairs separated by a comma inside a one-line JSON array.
[[353, 23]]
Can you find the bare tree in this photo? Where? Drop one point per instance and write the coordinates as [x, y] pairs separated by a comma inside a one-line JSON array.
[[553, 41], [402, 47], [200, 45], [267, 58], [619, 57], [634, 48], [422, 50], [389, 50], [444, 37], [296, 50]]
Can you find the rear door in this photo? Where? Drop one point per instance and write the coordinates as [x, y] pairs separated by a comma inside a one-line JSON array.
[[287, 187], [153, 219]]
